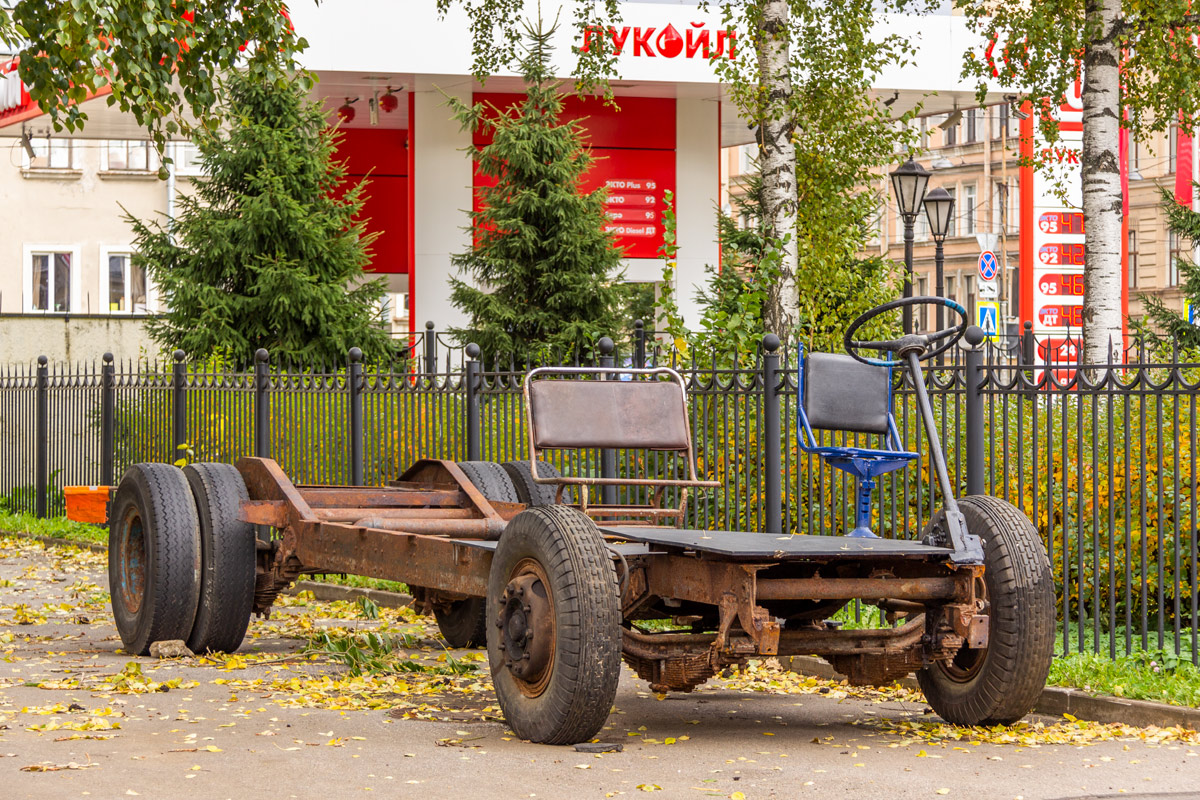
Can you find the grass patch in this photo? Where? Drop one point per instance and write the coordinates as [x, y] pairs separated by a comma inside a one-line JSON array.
[[56, 527], [1148, 675], [358, 582]]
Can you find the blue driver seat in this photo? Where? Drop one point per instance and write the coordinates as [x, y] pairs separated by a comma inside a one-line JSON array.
[[838, 393]]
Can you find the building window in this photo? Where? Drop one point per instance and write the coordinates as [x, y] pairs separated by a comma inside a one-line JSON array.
[[50, 153], [952, 228], [51, 279], [131, 155], [746, 155], [1172, 147], [1134, 155], [972, 115], [968, 209], [1176, 253], [952, 135], [1133, 260], [186, 157], [123, 283]]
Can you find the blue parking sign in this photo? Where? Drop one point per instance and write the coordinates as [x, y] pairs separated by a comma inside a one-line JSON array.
[[987, 317]]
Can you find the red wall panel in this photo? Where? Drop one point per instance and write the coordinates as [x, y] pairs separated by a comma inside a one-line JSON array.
[[381, 156], [634, 149]]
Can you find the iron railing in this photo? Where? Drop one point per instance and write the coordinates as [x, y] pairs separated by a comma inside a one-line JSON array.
[[1102, 459]]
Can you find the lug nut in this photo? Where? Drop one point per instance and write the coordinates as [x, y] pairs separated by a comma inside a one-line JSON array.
[[528, 634], [528, 608]]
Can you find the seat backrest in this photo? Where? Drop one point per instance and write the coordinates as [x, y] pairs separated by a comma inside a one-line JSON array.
[[645, 414], [841, 394]]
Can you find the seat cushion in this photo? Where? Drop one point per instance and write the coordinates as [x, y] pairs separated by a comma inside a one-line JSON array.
[[841, 394]]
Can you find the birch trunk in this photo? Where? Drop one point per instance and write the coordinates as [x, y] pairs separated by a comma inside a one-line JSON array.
[[1102, 278], [777, 160]]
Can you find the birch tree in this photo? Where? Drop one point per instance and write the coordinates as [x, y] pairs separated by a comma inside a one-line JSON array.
[[1141, 70]]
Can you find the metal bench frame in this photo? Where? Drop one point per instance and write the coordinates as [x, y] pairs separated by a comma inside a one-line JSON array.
[[586, 436]]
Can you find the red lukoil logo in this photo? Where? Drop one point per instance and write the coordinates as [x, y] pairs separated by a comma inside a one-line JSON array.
[[698, 41]]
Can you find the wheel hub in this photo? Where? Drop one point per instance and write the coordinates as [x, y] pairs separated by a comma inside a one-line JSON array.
[[131, 557], [526, 623]]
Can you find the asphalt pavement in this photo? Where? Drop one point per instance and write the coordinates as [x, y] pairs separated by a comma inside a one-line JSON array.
[[78, 718]]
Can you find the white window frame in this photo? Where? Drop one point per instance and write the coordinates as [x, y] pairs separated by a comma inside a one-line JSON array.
[[151, 157], [28, 252], [27, 162], [191, 171], [151, 294]]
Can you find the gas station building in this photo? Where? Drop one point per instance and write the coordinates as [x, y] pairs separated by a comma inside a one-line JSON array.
[[395, 72]]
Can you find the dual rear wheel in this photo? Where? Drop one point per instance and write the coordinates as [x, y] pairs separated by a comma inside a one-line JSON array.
[[180, 563]]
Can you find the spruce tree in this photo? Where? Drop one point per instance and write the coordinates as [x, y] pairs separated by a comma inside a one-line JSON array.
[[543, 268], [1160, 324], [268, 252]]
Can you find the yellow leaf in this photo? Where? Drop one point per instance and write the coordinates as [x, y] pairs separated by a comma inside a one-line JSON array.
[[943, 791], [212, 748], [737, 796]]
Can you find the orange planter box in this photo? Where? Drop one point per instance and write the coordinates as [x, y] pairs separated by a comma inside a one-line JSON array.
[[87, 503]]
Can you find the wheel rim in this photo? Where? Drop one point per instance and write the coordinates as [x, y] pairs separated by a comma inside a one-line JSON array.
[[527, 627], [131, 558], [967, 662]]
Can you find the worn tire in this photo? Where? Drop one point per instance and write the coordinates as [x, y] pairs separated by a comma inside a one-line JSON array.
[[531, 493], [153, 557], [491, 480], [226, 559], [464, 623], [574, 694], [1000, 684]]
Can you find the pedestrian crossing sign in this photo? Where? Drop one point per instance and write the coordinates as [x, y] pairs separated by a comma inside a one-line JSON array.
[[987, 316], [1189, 311]]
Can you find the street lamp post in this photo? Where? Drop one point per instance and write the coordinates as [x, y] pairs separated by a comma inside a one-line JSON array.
[[909, 181], [939, 210]]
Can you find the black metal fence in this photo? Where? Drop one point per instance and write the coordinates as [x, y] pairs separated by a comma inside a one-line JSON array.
[[1102, 459]]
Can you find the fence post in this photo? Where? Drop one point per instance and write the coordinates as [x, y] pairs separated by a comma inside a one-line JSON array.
[[179, 405], [354, 383], [773, 488], [974, 390], [1027, 344], [608, 456], [42, 451], [639, 344], [430, 349], [262, 403], [108, 411], [472, 389]]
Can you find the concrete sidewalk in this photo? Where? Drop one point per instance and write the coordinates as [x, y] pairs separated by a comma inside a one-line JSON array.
[[271, 723]]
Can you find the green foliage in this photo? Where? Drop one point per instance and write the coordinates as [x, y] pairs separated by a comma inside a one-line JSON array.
[[840, 134], [374, 653], [541, 249], [266, 253], [496, 28], [734, 296], [1157, 675], [160, 57], [1161, 325], [359, 582], [53, 527], [1042, 46]]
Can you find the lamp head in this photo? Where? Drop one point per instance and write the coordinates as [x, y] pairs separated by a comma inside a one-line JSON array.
[[939, 210], [909, 181]]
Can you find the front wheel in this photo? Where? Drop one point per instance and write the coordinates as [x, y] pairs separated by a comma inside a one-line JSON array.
[[553, 633], [999, 684]]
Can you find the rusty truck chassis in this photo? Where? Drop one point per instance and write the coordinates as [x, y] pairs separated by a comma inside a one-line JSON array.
[[436, 532]]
